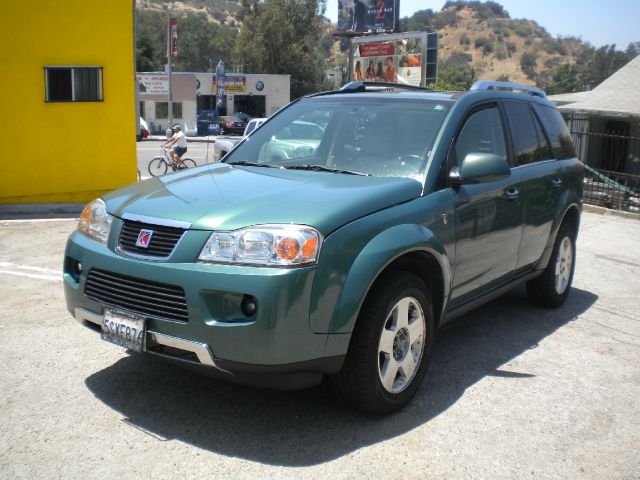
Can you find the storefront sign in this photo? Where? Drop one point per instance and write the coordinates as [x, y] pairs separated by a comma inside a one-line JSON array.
[[235, 84], [152, 83]]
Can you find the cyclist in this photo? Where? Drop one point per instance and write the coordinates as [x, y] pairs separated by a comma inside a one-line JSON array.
[[179, 143]]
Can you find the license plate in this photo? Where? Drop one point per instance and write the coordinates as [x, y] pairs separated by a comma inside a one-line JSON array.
[[124, 329]]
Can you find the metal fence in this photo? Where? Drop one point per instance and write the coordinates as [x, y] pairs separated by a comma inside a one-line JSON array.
[[608, 159]]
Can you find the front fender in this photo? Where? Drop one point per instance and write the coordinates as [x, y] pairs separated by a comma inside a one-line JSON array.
[[382, 250]]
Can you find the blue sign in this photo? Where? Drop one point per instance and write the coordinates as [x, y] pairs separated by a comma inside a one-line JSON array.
[[220, 82]]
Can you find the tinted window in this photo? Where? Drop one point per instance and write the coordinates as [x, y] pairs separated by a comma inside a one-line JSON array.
[[557, 131], [482, 133], [528, 146]]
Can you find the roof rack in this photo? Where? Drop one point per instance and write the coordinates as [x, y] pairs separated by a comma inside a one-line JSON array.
[[380, 87], [493, 85]]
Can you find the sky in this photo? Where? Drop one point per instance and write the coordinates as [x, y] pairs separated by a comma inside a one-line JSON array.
[[597, 22]]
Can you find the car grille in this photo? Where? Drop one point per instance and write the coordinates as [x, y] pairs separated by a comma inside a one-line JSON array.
[[137, 295], [163, 240]]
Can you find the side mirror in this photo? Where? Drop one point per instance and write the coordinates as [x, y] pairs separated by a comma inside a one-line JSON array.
[[480, 168]]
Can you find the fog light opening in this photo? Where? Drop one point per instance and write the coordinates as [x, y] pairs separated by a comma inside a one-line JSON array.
[[77, 269], [249, 306]]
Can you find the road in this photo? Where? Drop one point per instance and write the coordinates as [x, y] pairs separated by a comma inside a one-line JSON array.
[[513, 391]]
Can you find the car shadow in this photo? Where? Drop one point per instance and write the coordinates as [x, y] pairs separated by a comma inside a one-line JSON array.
[[311, 426]]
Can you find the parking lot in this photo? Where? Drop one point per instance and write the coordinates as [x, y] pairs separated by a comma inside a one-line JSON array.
[[513, 391]]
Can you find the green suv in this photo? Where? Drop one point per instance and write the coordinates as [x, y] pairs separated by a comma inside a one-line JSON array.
[[412, 208]]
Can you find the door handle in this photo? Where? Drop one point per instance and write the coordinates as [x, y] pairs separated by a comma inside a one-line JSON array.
[[512, 194], [556, 182]]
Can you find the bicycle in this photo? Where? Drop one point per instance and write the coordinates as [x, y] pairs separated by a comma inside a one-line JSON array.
[[160, 165]]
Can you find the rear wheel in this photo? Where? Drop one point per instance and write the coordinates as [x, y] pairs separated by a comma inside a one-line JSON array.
[[187, 163], [390, 346], [552, 287], [157, 166]]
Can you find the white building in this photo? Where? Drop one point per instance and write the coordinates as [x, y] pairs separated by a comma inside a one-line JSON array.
[[258, 95]]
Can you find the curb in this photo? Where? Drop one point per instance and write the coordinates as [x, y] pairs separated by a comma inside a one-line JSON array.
[[10, 211], [607, 211], [208, 139]]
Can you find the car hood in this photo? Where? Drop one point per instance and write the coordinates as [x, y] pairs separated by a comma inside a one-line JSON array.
[[225, 197]]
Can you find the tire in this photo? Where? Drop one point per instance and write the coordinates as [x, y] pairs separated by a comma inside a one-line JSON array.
[[157, 166], [187, 163], [388, 355], [552, 288]]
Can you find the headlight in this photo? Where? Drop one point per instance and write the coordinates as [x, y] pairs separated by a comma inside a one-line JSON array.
[[95, 222], [269, 245]]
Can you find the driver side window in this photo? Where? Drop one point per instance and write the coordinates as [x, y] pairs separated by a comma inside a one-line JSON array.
[[482, 133]]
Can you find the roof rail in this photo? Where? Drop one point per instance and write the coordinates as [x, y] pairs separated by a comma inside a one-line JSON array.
[[493, 85], [380, 86]]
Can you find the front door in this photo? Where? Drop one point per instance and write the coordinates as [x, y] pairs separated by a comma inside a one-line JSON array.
[[488, 215]]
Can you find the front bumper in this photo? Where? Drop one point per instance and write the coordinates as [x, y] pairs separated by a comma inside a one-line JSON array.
[[276, 340]]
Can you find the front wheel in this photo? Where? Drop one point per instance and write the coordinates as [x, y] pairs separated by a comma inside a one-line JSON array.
[[157, 167], [552, 287], [390, 346], [187, 163]]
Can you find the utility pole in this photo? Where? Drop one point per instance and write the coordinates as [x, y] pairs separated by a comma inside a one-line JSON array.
[[170, 102]]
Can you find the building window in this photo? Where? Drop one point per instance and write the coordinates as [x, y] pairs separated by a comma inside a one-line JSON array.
[[162, 110], [176, 109], [142, 112], [73, 84]]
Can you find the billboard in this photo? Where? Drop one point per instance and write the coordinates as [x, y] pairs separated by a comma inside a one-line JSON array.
[[153, 83], [409, 58], [367, 16]]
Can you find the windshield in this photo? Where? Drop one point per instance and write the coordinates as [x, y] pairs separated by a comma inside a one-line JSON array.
[[382, 136]]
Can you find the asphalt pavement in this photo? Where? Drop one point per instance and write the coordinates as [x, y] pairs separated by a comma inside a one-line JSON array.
[[513, 391]]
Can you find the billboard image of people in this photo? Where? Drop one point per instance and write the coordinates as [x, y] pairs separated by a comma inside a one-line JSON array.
[[396, 61], [359, 16]]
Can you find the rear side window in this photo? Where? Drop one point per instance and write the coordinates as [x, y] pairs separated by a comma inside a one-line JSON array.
[[529, 141], [482, 133], [557, 131]]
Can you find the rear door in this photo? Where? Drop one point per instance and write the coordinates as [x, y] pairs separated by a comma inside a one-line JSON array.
[[488, 215], [539, 176]]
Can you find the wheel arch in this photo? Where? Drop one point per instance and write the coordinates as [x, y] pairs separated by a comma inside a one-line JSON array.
[[570, 215], [411, 248]]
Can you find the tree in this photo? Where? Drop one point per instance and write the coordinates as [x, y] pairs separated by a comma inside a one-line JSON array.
[[528, 63], [564, 80], [150, 41], [198, 41], [457, 77], [282, 37]]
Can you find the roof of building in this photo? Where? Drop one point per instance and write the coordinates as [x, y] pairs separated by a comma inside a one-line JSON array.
[[617, 95]]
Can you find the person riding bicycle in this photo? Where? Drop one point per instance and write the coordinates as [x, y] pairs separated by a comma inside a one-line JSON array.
[[180, 149]]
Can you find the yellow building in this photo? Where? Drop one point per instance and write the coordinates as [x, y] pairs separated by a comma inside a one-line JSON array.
[[67, 97]]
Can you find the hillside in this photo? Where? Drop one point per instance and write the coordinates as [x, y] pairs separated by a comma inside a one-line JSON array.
[[221, 12], [479, 40], [517, 50]]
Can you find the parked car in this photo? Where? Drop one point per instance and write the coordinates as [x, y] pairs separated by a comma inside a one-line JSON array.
[[298, 140], [207, 123], [222, 146], [410, 208], [144, 130], [231, 125], [252, 125]]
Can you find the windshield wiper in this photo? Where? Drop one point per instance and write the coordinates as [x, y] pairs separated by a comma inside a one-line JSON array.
[[322, 168], [243, 163]]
